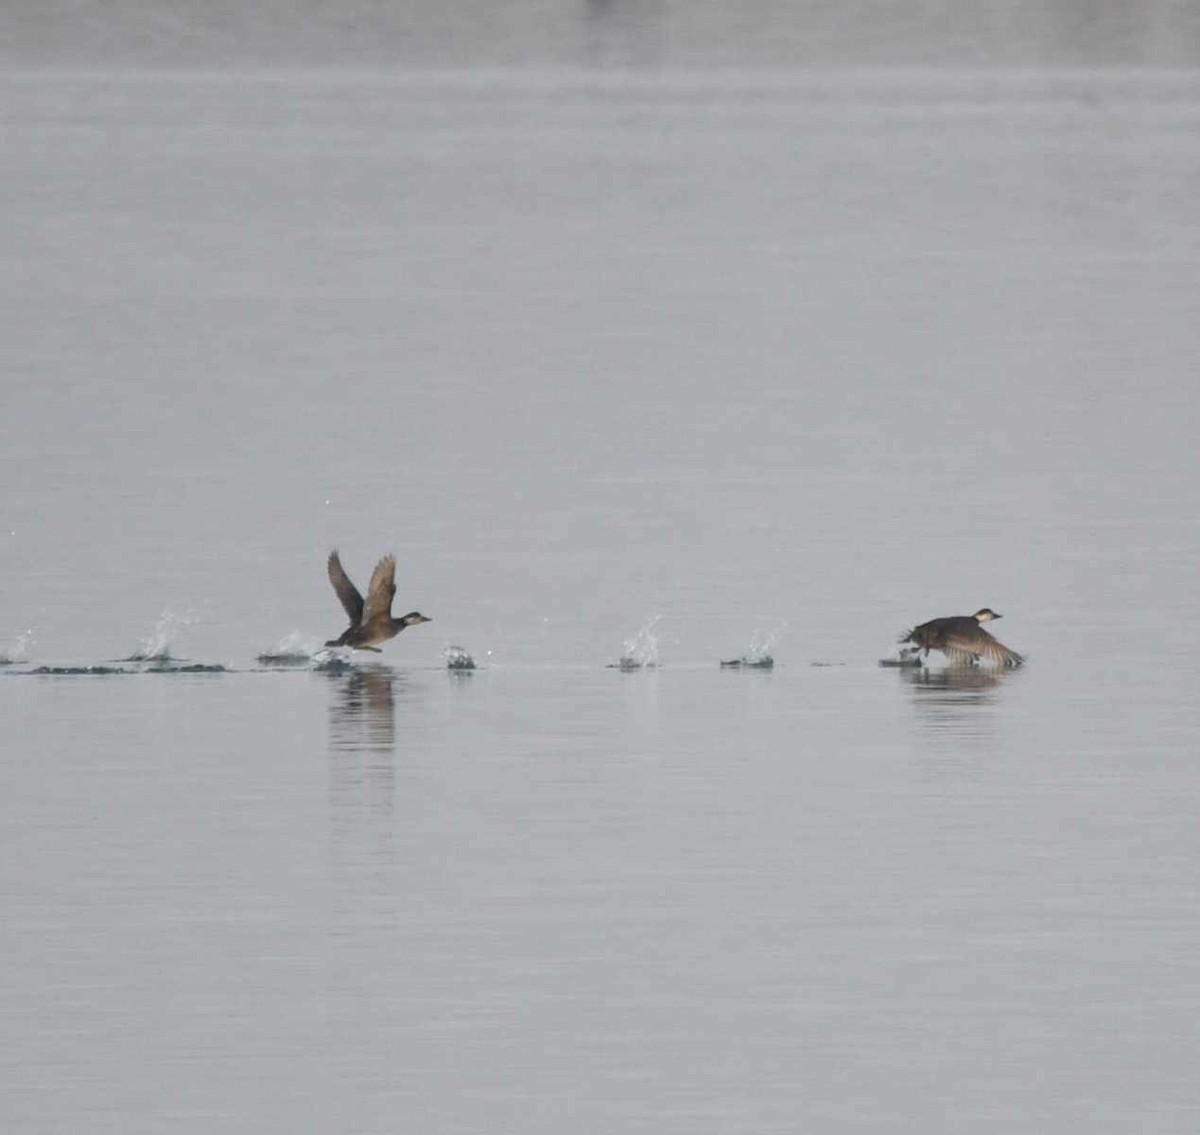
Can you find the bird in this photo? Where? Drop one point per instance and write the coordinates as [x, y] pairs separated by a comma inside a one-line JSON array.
[[962, 639], [371, 622]]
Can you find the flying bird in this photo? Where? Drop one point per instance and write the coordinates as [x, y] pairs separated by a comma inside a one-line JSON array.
[[371, 621], [961, 638]]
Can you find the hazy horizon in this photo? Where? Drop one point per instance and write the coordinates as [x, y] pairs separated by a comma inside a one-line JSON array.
[[620, 33]]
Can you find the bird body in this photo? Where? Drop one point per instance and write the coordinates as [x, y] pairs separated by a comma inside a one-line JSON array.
[[962, 639], [371, 619]]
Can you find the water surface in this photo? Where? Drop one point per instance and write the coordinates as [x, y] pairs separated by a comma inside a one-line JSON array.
[[833, 353]]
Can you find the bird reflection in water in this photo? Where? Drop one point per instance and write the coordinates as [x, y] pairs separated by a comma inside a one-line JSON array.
[[958, 702], [363, 713], [953, 678], [362, 738]]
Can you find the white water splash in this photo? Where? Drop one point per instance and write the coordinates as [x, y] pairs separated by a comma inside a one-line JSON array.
[[333, 660], [458, 658], [156, 646], [762, 646], [16, 649], [641, 651], [293, 648]]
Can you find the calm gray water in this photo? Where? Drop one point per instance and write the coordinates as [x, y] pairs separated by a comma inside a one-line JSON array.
[[751, 350]]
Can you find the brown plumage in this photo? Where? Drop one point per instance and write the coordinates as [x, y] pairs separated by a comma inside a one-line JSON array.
[[961, 639], [370, 621]]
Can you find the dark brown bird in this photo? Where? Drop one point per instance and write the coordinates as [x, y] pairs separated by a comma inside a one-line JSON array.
[[372, 621], [961, 639]]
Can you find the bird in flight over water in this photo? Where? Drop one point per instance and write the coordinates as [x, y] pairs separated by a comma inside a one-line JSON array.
[[962, 639], [371, 622]]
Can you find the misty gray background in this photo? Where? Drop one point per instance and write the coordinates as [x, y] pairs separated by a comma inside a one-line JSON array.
[[682, 33], [810, 320]]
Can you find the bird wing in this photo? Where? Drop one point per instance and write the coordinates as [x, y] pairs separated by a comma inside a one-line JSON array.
[[381, 590], [995, 651], [965, 645], [346, 591]]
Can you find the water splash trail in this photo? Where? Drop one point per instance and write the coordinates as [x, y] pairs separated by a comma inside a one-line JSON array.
[[759, 655], [294, 649], [332, 660], [458, 658], [762, 646], [641, 651], [156, 647], [16, 650]]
